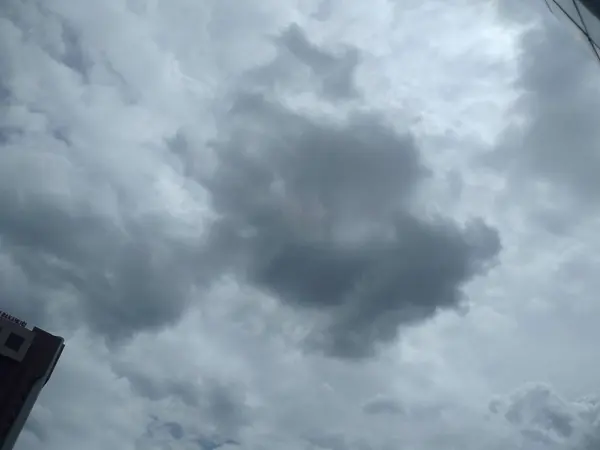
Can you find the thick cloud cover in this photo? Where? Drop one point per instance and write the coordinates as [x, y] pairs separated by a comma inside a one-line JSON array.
[[322, 212], [236, 213], [80, 233]]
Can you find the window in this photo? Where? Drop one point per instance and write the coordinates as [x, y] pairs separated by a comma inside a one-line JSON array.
[[14, 342]]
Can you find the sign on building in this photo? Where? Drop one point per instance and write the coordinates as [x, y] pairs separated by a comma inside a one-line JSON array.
[[13, 319]]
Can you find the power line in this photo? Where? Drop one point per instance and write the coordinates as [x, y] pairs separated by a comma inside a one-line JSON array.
[[587, 34], [582, 28]]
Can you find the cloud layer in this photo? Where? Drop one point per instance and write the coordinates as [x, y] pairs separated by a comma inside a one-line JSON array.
[[321, 211], [240, 217]]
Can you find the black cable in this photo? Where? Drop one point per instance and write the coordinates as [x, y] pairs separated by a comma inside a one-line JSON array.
[[583, 29], [587, 33]]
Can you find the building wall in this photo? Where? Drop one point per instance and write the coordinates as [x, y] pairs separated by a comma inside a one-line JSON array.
[[23, 374], [8, 331], [22, 415]]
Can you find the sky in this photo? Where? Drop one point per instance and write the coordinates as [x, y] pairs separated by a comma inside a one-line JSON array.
[[303, 224]]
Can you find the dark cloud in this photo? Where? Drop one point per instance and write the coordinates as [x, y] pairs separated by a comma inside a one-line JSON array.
[[319, 213]]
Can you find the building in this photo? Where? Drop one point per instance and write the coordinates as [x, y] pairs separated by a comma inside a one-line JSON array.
[[27, 359], [583, 16]]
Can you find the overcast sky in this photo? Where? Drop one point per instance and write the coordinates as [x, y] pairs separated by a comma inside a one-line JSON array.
[[303, 224]]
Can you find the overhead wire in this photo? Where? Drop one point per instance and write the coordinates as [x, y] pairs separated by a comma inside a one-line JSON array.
[[587, 33], [582, 28]]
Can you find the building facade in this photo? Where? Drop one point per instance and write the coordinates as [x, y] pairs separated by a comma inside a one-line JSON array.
[[27, 360]]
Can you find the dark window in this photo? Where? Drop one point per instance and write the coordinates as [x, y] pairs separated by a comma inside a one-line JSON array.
[[14, 342]]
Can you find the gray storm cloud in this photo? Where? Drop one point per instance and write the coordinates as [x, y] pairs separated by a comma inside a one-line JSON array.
[[319, 211]]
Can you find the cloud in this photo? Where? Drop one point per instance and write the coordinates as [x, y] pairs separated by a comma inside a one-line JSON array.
[[545, 420], [84, 232], [219, 404], [319, 210], [160, 434], [333, 72], [550, 147]]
